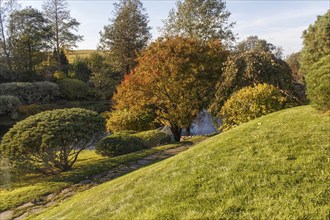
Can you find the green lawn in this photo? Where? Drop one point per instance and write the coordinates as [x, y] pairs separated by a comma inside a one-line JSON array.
[[28, 188], [275, 167]]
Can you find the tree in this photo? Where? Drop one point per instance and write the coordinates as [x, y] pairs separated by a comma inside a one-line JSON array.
[[201, 19], [318, 83], [62, 26], [247, 69], [6, 7], [253, 43], [176, 77], [51, 141], [127, 35], [30, 34], [103, 76], [316, 42], [293, 61]]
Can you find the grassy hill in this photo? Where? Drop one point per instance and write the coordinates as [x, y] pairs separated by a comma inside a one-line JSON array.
[[277, 166], [79, 53]]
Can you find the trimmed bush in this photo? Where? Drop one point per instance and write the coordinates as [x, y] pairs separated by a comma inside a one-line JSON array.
[[51, 141], [98, 106], [120, 120], [73, 89], [28, 93], [129, 141], [318, 83], [153, 138], [252, 102], [9, 104], [119, 144]]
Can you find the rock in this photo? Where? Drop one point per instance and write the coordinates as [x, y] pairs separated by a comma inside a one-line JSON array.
[[50, 196], [22, 216], [144, 162], [66, 190], [151, 157], [36, 210], [124, 169], [50, 204], [6, 215], [134, 166], [26, 205], [85, 181]]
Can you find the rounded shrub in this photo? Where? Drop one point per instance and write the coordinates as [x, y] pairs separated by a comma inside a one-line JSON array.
[[120, 120], [153, 138], [252, 102], [73, 89], [51, 141], [318, 83], [28, 93], [9, 104], [119, 144]]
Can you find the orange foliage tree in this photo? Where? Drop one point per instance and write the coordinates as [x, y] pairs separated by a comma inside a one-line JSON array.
[[176, 77]]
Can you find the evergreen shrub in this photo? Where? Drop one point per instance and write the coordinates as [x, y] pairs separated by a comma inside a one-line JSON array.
[[9, 105], [318, 83], [252, 102], [137, 120], [73, 89], [28, 93], [50, 142], [129, 141], [119, 144]]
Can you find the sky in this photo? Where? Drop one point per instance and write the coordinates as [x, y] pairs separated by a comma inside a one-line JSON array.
[[279, 22]]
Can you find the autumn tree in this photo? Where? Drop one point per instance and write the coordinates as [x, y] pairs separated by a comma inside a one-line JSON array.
[[127, 34], [176, 77], [62, 25], [201, 19], [316, 42]]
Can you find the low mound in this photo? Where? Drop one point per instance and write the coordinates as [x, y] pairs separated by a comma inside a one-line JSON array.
[[276, 166]]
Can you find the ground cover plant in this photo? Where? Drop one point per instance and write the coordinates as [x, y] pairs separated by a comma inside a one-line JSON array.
[[267, 168]]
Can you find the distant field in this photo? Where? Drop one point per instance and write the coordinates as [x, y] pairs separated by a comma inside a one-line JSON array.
[[79, 53]]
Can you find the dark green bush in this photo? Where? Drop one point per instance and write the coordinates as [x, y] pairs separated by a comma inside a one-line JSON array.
[[9, 105], [51, 141], [73, 89], [98, 106], [28, 93], [252, 102], [153, 138], [250, 68], [129, 141], [120, 120], [119, 144], [318, 83]]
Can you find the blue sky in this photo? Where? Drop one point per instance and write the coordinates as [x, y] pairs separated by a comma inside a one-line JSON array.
[[279, 22]]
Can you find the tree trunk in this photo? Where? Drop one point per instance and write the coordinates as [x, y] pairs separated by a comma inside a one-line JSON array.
[[176, 131]]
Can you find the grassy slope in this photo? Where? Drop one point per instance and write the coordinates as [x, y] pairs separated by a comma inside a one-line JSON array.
[[274, 167], [33, 187]]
